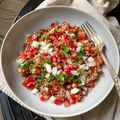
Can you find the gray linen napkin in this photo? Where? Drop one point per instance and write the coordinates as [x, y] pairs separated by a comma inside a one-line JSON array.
[[109, 109]]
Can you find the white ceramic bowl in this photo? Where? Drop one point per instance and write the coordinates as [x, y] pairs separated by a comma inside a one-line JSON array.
[[42, 18]]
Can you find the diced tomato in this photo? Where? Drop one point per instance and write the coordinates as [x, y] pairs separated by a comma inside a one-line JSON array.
[[81, 35], [22, 55], [46, 53], [68, 87], [73, 101], [74, 57], [34, 50], [30, 56], [74, 67], [42, 98], [54, 88], [99, 59], [67, 70], [74, 85], [54, 58], [29, 39], [66, 102], [57, 83], [59, 66], [27, 48], [52, 24], [66, 36], [58, 101], [74, 43], [28, 83], [35, 36]]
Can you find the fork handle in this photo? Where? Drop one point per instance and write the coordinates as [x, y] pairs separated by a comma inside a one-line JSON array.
[[115, 77]]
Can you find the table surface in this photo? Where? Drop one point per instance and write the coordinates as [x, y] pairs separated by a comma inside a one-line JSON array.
[[9, 9], [8, 12]]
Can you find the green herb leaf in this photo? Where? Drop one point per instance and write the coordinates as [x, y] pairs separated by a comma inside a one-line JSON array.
[[61, 77], [26, 64], [39, 34], [64, 50], [51, 77], [44, 36], [76, 33], [39, 46], [82, 51], [42, 64], [48, 61], [57, 31]]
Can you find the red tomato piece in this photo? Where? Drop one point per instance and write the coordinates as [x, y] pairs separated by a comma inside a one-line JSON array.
[[22, 55], [52, 24], [58, 101], [68, 87], [66, 102], [81, 35], [35, 50], [74, 57], [29, 39]]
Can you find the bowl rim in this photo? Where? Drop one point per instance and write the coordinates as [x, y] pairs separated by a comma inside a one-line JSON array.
[[48, 114]]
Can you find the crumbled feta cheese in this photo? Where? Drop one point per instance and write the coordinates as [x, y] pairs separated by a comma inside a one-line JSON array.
[[45, 48], [91, 59], [51, 31], [50, 51], [74, 90], [84, 66], [82, 78], [34, 91], [78, 49], [19, 61], [74, 72], [35, 44], [48, 67], [52, 98], [47, 75], [68, 95], [69, 61], [79, 44], [42, 43], [54, 70]]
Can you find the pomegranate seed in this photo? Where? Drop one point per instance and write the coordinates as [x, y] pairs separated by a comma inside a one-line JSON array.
[[66, 102], [68, 87], [74, 44], [84, 93], [74, 57], [67, 70], [74, 85], [66, 37], [46, 53], [57, 83], [54, 59], [42, 98], [73, 101], [58, 101], [63, 60], [35, 50], [73, 49], [59, 66], [52, 24], [54, 88], [30, 56], [74, 67]]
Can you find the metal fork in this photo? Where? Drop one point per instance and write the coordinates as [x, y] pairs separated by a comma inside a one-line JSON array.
[[93, 35]]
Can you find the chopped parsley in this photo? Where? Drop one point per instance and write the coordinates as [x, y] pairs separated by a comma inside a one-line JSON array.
[[64, 49], [39, 34], [61, 77]]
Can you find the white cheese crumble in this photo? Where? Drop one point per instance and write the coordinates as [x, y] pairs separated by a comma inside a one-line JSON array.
[[35, 44], [47, 75], [52, 98], [54, 70], [74, 72], [34, 91], [48, 67], [74, 90]]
